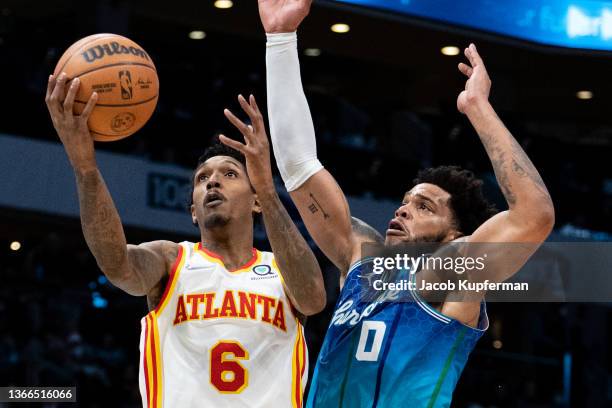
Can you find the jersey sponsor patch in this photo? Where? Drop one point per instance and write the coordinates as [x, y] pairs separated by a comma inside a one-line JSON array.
[[263, 272]]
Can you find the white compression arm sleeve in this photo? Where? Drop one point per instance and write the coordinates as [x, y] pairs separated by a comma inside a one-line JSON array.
[[291, 127]]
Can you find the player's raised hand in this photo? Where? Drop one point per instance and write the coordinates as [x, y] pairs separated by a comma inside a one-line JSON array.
[[72, 129], [283, 16], [478, 84], [256, 148]]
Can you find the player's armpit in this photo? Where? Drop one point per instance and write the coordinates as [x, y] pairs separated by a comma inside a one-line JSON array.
[[325, 212], [147, 264], [365, 232]]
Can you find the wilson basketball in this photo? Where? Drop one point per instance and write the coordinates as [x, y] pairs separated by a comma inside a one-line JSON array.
[[124, 77]]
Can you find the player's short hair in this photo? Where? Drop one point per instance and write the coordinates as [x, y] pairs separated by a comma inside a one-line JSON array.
[[216, 149], [469, 206], [219, 149]]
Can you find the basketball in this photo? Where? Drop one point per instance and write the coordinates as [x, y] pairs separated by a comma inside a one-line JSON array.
[[124, 77]]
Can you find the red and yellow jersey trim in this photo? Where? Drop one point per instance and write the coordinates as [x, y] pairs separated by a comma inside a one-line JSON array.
[[172, 279], [298, 367], [216, 258], [152, 363]]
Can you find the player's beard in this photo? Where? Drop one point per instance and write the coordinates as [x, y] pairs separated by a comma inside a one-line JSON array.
[[439, 237], [215, 221]]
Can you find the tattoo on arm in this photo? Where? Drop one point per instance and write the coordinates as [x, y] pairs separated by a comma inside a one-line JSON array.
[[499, 161], [523, 167], [299, 266], [101, 224], [515, 173], [315, 206]]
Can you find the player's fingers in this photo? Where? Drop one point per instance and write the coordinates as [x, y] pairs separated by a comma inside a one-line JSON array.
[[238, 123], [53, 107], [475, 55], [253, 103], [248, 109], [234, 144], [465, 69], [256, 117], [91, 103], [57, 97], [468, 55], [69, 101], [258, 114], [50, 86]]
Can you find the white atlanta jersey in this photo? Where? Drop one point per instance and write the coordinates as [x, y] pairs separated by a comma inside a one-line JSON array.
[[222, 338]]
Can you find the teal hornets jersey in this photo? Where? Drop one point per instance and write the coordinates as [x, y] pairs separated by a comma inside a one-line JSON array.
[[390, 352]]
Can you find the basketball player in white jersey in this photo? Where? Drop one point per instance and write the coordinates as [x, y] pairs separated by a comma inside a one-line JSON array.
[[223, 328]]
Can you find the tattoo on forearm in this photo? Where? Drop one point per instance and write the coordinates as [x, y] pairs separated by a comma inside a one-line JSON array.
[[294, 257], [511, 165], [315, 206], [100, 222], [498, 158], [523, 167]]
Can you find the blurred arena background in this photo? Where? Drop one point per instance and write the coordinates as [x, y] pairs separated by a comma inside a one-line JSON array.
[[383, 99]]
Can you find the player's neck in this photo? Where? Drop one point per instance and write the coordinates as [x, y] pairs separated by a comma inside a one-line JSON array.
[[234, 247]]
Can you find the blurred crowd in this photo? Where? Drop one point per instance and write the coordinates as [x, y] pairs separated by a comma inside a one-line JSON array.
[[63, 324]]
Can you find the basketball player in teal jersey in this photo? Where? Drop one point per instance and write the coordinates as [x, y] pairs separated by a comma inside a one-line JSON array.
[[398, 354]]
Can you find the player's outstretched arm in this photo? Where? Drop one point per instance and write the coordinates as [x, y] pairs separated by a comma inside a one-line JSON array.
[[134, 269], [317, 196], [299, 267], [530, 217]]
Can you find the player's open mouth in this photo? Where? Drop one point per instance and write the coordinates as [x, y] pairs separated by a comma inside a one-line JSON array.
[[395, 228], [213, 199]]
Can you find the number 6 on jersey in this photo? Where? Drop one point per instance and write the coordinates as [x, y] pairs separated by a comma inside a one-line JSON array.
[[226, 373]]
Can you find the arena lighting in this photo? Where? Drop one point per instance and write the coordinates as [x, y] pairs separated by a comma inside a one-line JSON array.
[[224, 4], [584, 95], [15, 246], [340, 28], [197, 35], [312, 52], [572, 23], [579, 24], [450, 50], [497, 344]]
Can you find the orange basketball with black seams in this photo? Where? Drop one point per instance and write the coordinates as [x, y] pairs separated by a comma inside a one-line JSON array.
[[122, 74]]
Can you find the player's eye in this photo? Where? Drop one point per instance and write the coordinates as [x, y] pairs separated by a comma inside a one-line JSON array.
[[231, 174], [424, 207], [202, 177]]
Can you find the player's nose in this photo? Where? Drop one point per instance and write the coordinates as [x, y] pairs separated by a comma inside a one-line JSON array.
[[403, 212], [214, 181]]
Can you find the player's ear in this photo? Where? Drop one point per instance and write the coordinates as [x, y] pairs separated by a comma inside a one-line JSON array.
[[194, 219], [256, 205]]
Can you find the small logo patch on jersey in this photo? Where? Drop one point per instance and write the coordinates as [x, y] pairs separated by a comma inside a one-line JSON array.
[[262, 272]]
